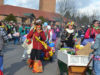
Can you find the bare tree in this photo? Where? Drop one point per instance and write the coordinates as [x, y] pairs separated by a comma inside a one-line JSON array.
[[66, 6]]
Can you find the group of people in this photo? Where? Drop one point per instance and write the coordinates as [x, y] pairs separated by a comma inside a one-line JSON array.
[[13, 31], [92, 35], [40, 34], [16, 31]]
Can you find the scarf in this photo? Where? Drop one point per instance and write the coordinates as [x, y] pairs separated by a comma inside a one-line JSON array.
[[70, 31], [96, 27], [42, 42]]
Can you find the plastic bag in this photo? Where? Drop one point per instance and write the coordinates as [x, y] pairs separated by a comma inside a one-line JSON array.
[[85, 41], [9, 36], [28, 47]]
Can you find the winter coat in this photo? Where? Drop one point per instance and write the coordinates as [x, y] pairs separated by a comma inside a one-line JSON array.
[[96, 45], [90, 33], [3, 34], [36, 44]]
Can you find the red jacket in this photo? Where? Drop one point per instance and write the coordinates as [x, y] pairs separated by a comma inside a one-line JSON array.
[[37, 45], [88, 32]]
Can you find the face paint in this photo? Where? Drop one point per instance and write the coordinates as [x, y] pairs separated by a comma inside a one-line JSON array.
[[70, 27], [38, 28]]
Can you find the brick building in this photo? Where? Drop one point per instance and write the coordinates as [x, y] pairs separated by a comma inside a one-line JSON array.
[[26, 15], [47, 5], [1, 2]]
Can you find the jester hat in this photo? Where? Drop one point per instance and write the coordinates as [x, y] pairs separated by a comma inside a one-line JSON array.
[[70, 23]]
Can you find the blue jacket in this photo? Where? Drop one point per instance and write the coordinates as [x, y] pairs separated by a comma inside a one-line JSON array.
[[96, 46]]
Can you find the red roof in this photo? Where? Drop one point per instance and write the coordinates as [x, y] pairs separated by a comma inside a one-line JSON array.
[[19, 11]]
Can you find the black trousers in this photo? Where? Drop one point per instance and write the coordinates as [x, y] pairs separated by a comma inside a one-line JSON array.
[[35, 54], [62, 44], [70, 43]]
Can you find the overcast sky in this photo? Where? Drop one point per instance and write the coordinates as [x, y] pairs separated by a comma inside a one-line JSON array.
[[83, 6]]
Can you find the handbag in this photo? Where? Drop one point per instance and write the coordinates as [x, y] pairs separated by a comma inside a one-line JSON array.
[[9, 36], [28, 47]]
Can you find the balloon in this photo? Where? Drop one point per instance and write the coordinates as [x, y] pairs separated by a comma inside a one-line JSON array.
[[46, 58], [46, 54], [48, 43], [42, 54], [50, 53], [78, 47], [53, 49], [51, 45]]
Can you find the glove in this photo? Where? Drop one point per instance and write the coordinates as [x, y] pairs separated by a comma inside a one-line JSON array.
[[28, 41]]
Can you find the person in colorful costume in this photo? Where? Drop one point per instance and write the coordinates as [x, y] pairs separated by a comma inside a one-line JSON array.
[[25, 45], [38, 37], [45, 29], [91, 32], [68, 35], [48, 53], [49, 34], [96, 58]]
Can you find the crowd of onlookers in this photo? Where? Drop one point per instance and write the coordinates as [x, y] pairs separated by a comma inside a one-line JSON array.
[[15, 31], [12, 31]]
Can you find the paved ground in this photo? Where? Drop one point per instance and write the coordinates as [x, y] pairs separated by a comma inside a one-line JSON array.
[[13, 65]]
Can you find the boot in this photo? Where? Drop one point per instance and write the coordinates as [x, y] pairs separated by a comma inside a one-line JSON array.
[[37, 67], [30, 63]]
